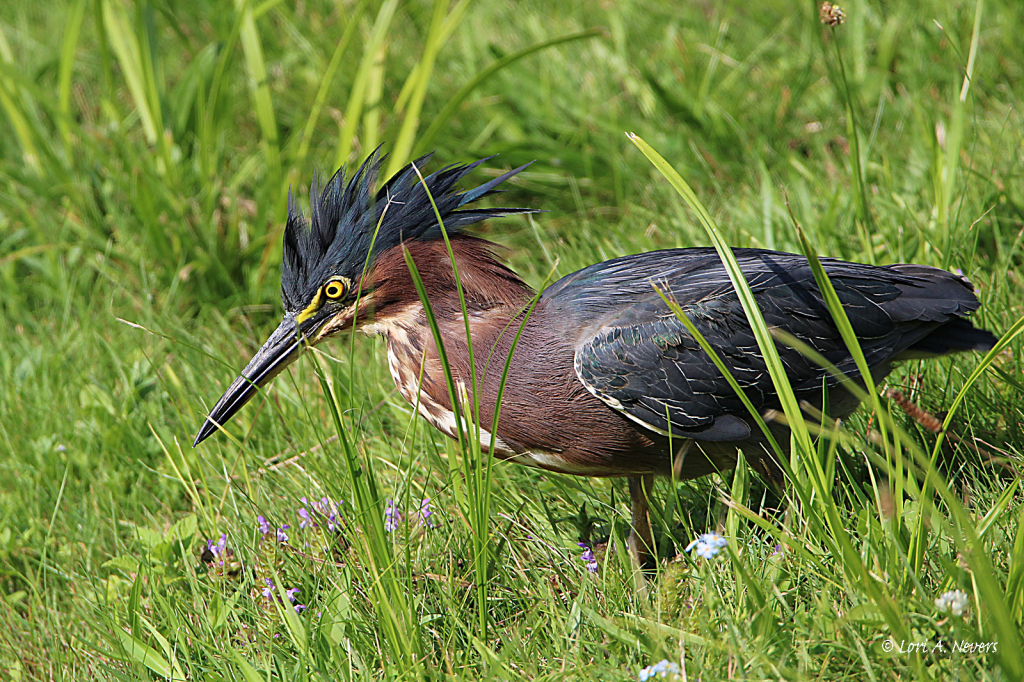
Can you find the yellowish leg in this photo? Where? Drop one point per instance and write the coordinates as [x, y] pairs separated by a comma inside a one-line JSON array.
[[641, 539]]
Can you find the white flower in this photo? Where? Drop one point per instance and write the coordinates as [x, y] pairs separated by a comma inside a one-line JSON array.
[[662, 669], [954, 601], [708, 545]]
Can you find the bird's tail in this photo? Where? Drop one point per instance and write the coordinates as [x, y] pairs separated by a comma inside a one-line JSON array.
[[957, 335]]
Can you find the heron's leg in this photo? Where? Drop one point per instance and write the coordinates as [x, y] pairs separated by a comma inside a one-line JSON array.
[[641, 539]]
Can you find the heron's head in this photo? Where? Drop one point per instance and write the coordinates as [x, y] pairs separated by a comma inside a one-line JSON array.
[[330, 271]]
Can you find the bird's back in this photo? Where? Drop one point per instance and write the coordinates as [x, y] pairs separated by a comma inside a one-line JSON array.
[[632, 353]]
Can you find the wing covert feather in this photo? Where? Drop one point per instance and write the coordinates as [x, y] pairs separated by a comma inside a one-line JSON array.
[[632, 352]]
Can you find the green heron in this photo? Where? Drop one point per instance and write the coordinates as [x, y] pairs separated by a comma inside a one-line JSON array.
[[604, 377]]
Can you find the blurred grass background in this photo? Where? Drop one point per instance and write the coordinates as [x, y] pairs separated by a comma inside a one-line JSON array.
[[146, 153]]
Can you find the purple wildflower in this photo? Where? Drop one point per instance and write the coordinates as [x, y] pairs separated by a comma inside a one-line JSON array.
[[291, 594], [218, 549], [306, 521], [392, 516], [282, 537], [324, 508], [299, 608], [425, 512], [268, 591], [588, 557], [261, 522]]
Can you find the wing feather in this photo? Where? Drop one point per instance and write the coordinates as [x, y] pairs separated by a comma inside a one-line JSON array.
[[632, 352]]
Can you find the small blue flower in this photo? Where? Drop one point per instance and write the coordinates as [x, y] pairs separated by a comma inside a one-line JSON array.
[[588, 557], [662, 669], [291, 594], [268, 591], [299, 608], [305, 520], [261, 522], [707, 545], [282, 537]]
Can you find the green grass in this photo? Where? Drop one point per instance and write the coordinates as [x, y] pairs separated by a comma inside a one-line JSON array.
[[146, 152]]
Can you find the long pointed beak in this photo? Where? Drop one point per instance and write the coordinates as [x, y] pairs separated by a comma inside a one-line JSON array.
[[280, 350]]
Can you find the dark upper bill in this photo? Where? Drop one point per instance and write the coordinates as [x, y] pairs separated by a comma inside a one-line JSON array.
[[280, 350]]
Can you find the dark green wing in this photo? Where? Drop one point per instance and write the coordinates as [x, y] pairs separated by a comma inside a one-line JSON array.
[[632, 352]]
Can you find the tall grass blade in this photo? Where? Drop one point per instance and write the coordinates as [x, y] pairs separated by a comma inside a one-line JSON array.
[[424, 69], [994, 599], [920, 531], [441, 119], [475, 468], [357, 95], [802, 446], [326, 80], [757, 324], [695, 333], [390, 601], [125, 43], [259, 87], [29, 154], [1015, 579], [67, 65], [864, 217]]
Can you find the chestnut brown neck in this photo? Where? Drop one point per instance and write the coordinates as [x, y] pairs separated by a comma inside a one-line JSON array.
[[486, 282]]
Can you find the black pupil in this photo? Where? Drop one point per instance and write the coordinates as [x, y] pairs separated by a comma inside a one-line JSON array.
[[333, 290]]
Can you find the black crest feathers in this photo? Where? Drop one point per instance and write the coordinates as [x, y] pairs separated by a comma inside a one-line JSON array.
[[342, 233]]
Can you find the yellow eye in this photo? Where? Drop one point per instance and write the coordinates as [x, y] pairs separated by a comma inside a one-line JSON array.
[[334, 289]]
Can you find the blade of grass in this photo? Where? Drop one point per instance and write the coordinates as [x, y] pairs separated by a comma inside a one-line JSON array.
[[259, 88], [864, 217], [29, 154], [995, 600], [357, 95], [441, 119], [326, 80], [695, 333], [67, 64], [837, 532], [395, 615], [424, 69], [126, 47], [757, 324], [468, 433], [919, 532]]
